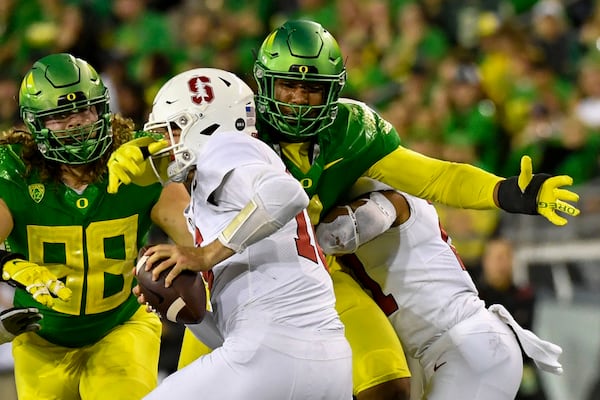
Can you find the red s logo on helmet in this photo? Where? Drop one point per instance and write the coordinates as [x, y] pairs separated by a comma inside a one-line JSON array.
[[201, 89]]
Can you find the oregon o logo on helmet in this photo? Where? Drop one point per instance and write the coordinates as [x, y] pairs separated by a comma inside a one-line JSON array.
[[240, 124], [71, 96], [303, 69]]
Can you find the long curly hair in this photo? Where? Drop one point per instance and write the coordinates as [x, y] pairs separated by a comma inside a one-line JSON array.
[[48, 170]]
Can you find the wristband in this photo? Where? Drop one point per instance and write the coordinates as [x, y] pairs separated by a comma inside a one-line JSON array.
[[511, 199]]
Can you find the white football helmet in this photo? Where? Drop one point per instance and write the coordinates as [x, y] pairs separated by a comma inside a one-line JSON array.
[[199, 102]]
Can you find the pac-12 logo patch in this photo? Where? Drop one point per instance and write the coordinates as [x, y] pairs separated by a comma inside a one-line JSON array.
[[37, 191]]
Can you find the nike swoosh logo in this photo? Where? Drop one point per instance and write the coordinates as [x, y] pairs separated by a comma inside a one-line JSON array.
[[331, 164], [436, 366], [171, 101]]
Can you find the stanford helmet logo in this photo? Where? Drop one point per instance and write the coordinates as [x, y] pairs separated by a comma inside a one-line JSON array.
[[201, 90]]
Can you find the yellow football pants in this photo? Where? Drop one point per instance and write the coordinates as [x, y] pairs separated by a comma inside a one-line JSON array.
[[123, 365]]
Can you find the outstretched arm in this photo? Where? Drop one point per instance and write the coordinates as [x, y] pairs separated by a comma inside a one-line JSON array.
[[465, 186]]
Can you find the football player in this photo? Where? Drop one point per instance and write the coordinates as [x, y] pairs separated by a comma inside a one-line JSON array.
[[272, 296], [328, 142], [55, 210], [393, 244]]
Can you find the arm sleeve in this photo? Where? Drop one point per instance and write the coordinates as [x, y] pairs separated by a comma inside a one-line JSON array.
[[276, 199], [454, 184]]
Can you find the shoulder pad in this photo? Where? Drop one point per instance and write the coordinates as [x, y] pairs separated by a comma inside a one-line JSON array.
[[357, 110], [12, 167]]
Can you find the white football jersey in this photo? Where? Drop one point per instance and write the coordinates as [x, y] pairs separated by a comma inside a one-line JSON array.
[[280, 279], [416, 264]]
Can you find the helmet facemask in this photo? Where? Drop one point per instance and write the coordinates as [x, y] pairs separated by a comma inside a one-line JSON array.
[[298, 122], [178, 158], [55, 87], [77, 145], [300, 52]]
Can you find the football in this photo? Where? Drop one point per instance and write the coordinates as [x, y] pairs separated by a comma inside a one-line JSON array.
[[184, 301]]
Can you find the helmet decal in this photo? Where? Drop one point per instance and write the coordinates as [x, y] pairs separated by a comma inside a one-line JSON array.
[[192, 106], [201, 89], [240, 124]]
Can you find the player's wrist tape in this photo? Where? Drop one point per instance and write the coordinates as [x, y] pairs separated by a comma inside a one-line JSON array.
[[250, 225], [348, 232], [511, 199], [374, 217], [6, 256], [339, 236]]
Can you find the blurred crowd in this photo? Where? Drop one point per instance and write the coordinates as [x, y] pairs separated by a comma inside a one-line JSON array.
[[478, 81]]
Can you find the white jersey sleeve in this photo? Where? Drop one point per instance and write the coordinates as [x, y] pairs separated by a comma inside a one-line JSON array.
[[281, 278], [417, 265]]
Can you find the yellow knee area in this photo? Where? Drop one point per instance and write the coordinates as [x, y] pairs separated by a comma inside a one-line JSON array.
[[191, 349], [377, 354]]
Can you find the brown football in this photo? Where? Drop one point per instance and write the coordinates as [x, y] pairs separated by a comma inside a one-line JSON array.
[[184, 301]]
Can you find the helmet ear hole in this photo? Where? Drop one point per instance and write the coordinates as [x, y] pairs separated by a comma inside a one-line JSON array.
[[209, 130]]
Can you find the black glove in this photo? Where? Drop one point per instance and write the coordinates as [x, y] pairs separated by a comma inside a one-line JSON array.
[[538, 194], [15, 321]]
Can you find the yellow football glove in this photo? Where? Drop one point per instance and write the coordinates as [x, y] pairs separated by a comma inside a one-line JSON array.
[[129, 163], [538, 194], [42, 284], [315, 207]]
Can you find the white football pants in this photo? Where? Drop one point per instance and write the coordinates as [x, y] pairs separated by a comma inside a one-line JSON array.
[[253, 364], [478, 359]]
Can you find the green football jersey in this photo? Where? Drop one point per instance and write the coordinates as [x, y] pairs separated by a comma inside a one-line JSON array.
[[357, 139], [89, 240]]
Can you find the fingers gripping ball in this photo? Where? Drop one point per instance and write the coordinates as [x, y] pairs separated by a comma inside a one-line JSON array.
[[185, 301]]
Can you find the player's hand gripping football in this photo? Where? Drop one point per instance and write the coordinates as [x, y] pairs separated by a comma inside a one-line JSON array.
[[15, 321], [42, 284], [538, 194], [129, 163], [179, 258]]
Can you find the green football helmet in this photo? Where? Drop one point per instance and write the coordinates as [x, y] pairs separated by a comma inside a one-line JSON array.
[[57, 85], [302, 51]]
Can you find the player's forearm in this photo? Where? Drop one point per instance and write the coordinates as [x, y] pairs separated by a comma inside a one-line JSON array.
[[454, 184], [167, 213], [277, 200]]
